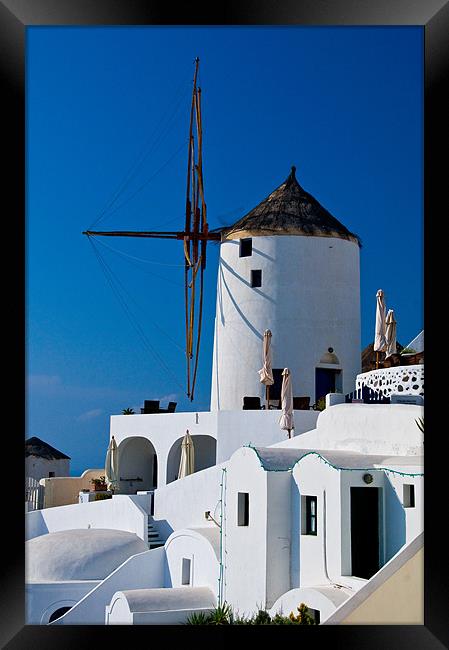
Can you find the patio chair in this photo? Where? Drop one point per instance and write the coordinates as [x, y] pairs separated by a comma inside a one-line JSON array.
[[171, 407], [252, 404], [150, 406], [301, 403]]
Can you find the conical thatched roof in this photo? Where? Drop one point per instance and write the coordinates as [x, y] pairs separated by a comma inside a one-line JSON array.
[[36, 447], [289, 210]]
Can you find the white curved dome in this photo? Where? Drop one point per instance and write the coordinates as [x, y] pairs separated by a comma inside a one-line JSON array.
[[79, 554]]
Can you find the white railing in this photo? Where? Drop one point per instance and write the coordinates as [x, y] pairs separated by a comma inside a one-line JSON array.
[[402, 380], [34, 494]]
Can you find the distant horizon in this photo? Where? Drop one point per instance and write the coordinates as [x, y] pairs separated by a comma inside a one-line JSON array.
[[342, 104]]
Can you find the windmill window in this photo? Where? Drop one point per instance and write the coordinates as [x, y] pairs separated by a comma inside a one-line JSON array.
[[408, 496], [246, 247], [308, 515], [256, 278], [243, 509]]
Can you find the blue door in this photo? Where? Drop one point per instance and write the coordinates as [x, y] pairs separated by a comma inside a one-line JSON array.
[[324, 382]]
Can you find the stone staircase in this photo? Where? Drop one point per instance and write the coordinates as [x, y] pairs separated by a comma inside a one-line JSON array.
[[154, 538]]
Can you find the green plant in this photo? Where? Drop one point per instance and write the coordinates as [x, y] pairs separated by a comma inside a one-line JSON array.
[[223, 615], [302, 617], [101, 480], [408, 351], [100, 497], [320, 404], [198, 618], [128, 411], [262, 618]]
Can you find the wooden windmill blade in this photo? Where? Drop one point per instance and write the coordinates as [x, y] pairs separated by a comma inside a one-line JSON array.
[[194, 237]]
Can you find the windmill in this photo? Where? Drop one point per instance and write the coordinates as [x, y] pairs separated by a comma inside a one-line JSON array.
[[195, 236]]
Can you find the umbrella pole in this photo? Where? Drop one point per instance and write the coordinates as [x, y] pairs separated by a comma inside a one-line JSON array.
[[377, 360], [267, 395]]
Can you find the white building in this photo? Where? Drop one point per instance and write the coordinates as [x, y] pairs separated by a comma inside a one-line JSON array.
[[264, 521], [42, 460]]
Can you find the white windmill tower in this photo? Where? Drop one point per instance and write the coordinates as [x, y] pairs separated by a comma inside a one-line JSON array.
[[291, 267]]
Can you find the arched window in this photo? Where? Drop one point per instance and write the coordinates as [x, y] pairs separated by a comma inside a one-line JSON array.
[[57, 613]]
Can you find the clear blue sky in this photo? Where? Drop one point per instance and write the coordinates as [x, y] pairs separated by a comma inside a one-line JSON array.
[[343, 104]]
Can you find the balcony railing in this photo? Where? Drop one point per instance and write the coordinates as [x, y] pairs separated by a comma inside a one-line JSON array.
[[403, 380]]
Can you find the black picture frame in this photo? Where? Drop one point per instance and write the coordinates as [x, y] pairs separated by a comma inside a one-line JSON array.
[[15, 17]]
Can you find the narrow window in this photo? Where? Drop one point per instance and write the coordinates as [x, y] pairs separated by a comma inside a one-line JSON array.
[[408, 496], [243, 509], [246, 247], [51, 474], [256, 278], [308, 515], [186, 568]]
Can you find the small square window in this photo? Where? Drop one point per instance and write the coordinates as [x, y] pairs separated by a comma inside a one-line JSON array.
[[256, 278], [243, 509], [246, 247], [408, 495], [51, 474], [308, 515], [186, 570]]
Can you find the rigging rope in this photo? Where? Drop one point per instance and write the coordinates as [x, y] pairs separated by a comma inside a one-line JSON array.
[[109, 277], [140, 308], [147, 149], [140, 188]]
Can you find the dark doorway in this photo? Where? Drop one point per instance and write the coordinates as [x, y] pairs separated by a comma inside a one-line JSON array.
[[364, 531], [275, 389], [324, 382], [155, 471]]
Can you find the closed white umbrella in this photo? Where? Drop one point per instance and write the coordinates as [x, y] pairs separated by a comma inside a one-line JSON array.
[[111, 465], [380, 343], [266, 372], [286, 419], [187, 462], [390, 333]]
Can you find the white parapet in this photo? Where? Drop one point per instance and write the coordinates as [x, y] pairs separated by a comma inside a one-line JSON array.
[[408, 380]]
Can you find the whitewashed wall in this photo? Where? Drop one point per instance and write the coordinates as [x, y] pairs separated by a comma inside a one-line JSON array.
[[239, 428], [320, 554], [309, 299], [182, 504], [201, 547], [122, 512], [142, 571], [42, 599], [388, 429], [402, 524], [246, 564]]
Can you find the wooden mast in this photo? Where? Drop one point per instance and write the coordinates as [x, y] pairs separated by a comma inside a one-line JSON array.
[[194, 236]]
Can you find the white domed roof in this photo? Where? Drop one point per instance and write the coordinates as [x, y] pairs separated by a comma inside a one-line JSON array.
[[79, 554]]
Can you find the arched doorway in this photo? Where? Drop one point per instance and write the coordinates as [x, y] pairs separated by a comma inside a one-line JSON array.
[[137, 465], [205, 448]]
